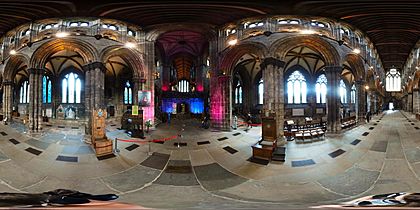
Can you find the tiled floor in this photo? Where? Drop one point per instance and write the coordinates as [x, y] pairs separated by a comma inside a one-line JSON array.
[[202, 168]]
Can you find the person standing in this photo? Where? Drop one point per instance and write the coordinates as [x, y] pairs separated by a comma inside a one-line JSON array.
[[235, 122], [248, 122], [368, 115]]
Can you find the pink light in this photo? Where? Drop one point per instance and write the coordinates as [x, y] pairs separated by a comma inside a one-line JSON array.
[[165, 88], [200, 88], [216, 112]]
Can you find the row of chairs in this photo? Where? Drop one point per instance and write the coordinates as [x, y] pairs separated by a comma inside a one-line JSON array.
[[348, 123], [310, 134]]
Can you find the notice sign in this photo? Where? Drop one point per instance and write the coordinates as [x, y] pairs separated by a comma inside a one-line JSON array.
[[135, 110]]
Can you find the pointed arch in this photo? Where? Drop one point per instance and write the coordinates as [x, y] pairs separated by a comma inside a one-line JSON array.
[[13, 64], [230, 58], [281, 47], [46, 50]]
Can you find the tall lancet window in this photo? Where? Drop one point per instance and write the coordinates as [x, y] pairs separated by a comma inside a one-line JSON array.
[[261, 92], [24, 92], [71, 87], [343, 92], [296, 88], [238, 93], [353, 94], [321, 89], [128, 93], [46, 90]]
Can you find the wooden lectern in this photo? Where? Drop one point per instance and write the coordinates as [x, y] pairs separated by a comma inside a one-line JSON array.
[[265, 147]]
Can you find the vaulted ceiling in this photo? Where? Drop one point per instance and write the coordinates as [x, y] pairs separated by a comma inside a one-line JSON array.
[[393, 26]]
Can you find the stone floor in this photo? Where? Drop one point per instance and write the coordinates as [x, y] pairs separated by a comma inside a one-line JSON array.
[[206, 169]]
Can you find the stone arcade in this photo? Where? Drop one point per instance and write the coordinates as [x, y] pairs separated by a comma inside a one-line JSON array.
[[282, 105]]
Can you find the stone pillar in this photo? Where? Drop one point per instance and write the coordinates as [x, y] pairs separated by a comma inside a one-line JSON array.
[[136, 88], [375, 102], [8, 87], [221, 104], [147, 80], [87, 91], [94, 90], [410, 102], [360, 100], [166, 77], [333, 74], [272, 74], [416, 101], [35, 99]]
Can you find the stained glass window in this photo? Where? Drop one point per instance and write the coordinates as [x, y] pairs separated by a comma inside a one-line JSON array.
[[261, 92], [24, 92], [46, 90], [353, 94], [71, 88], [321, 89], [183, 86], [238, 93], [128, 93], [296, 88], [393, 80], [343, 92]]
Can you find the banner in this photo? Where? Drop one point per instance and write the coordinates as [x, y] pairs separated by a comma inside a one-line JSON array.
[[145, 98]]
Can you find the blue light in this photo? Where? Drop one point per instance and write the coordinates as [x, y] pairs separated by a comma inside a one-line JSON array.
[[196, 105]]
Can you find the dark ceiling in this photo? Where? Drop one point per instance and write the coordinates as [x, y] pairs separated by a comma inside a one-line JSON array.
[[393, 26]]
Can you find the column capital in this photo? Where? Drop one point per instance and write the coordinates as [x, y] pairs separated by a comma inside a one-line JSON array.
[[94, 65], [272, 61], [333, 69], [36, 71], [359, 82], [8, 82]]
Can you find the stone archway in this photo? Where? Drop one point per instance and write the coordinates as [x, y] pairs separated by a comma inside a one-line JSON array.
[[141, 78], [333, 67], [38, 64], [14, 64], [221, 82]]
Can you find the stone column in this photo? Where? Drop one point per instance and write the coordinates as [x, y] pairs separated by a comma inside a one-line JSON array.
[[147, 80], [199, 77], [94, 90], [273, 98], [221, 104], [8, 87], [166, 77], [333, 98], [35, 99], [360, 100], [416, 101], [410, 102], [136, 88], [87, 91]]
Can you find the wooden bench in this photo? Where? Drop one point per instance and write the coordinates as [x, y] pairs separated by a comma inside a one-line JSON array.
[[348, 122]]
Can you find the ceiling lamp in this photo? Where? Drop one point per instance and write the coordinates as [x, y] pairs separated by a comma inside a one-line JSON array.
[[12, 52], [233, 42], [367, 87], [307, 31], [130, 45], [356, 51], [61, 34]]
